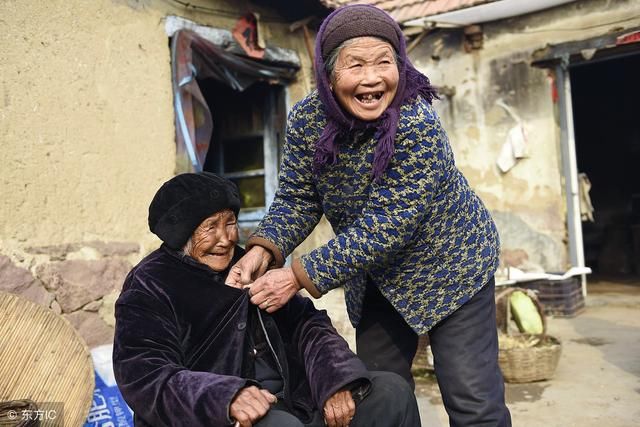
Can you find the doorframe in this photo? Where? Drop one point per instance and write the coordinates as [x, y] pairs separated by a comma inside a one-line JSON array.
[[559, 58], [570, 167]]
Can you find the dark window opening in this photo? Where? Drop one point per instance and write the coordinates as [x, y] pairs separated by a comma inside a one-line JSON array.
[[237, 148]]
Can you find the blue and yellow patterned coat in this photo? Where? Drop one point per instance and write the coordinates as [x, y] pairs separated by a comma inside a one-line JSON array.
[[420, 233]]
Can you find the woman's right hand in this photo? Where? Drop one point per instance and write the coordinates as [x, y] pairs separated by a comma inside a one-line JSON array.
[[251, 266], [251, 404]]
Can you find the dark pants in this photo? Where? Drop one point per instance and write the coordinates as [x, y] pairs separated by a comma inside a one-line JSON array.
[[465, 355], [391, 403]]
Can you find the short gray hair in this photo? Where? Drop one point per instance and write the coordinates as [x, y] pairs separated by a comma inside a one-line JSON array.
[[188, 247], [330, 63]]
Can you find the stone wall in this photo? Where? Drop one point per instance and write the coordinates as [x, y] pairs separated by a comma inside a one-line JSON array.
[[79, 281]]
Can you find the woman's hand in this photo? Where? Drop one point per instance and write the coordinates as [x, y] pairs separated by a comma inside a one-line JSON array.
[[274, 289], [339, 409], [252, 265], [251, 404]]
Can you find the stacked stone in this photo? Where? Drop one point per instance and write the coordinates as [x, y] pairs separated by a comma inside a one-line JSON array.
[[78, 281]]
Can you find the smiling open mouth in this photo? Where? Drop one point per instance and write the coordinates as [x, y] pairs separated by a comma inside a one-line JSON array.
[[369, 97]]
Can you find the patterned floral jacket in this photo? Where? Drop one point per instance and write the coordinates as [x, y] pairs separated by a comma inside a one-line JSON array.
[[420, 233]]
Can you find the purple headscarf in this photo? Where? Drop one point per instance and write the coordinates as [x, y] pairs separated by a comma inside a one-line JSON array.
[[359, 21]]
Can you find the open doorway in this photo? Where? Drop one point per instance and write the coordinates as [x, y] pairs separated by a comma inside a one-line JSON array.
[[607, 133]]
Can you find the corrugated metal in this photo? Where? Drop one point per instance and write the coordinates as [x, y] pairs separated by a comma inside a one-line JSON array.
[[406, 10], [45, 360]]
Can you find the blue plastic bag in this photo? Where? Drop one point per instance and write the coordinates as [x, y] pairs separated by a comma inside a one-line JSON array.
[[108, 408]]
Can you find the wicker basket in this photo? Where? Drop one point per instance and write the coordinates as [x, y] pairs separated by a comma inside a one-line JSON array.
[[530, 357]]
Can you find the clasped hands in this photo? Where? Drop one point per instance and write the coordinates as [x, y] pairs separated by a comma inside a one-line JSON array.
[[269, 290], [252, 403]]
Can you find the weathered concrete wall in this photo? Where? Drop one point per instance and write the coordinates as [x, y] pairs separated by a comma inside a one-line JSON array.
[[87, 114], [527, 201], [87, 120], [87, 131]]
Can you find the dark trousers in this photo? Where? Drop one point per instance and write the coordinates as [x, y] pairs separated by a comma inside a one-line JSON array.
[[390, 403], [384, 341], [465, 355]]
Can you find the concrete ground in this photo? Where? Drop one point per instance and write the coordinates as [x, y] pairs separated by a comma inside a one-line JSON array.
[[597, 382]]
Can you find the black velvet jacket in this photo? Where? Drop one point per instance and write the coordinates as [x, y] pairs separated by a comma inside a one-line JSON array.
[[180, 350]]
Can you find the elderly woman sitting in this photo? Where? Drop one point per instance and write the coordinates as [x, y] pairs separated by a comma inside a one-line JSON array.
[[192, 351]]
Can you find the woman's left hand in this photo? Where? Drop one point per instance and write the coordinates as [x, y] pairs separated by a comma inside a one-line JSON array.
[[274, 289], [339, 409]]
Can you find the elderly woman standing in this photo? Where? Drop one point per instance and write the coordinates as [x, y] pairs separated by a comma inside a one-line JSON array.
[[415, 248]]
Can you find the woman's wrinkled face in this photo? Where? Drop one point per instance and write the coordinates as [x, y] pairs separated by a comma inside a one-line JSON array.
[[213, 242], [365, 78]]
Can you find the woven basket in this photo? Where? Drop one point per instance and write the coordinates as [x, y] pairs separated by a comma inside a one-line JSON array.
[[43, 362], [523, 363]]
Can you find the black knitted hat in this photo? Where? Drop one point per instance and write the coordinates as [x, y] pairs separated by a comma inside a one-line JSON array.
[[184, 201], [358, 21]]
